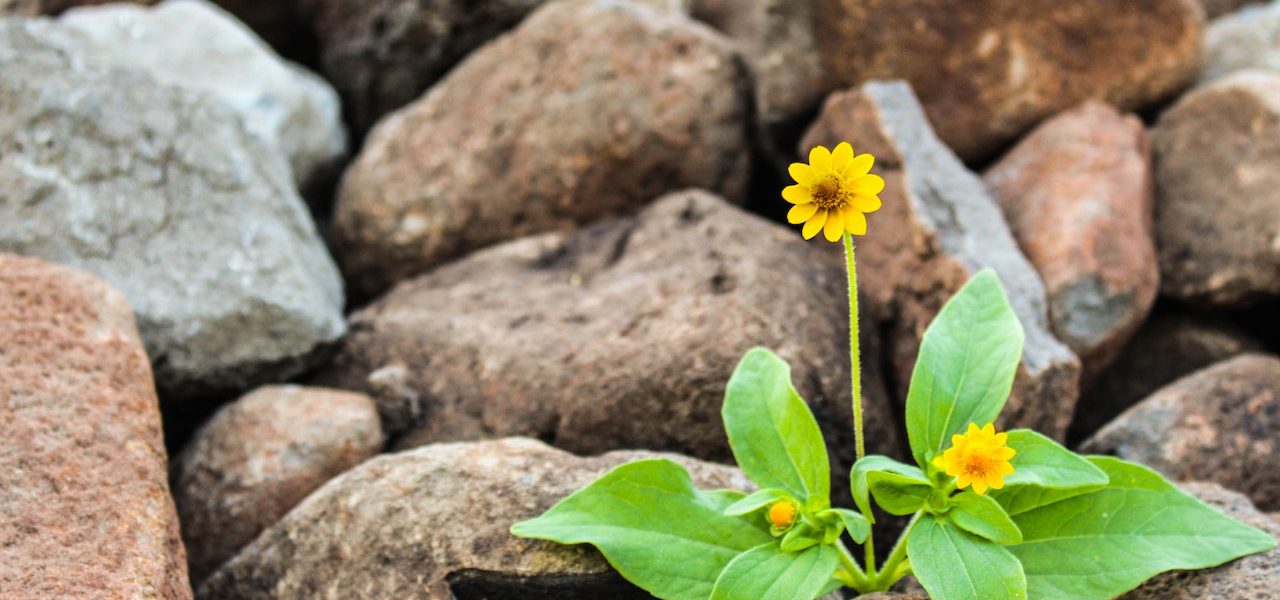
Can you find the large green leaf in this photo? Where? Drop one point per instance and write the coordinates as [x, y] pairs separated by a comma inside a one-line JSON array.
[[1107, 542], [767, 573], [654, 527], [953, 564], [774, 437], [899, 488], [984, 517], [1044, 473], [965, 369]]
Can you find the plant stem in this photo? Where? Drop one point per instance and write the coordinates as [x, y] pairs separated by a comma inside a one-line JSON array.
[[855, 375], [891, 571], [856, 578]]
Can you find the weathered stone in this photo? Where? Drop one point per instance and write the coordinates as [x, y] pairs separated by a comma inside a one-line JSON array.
[[1077, 194], [1217, 8], [605, 106], [1217, 164], [619, 336], [162, 193], [408, 525], [1249, 39], [85, 510], [988, 70], [939, 226], [1249, 578], [1220, 424], [261, 455], [194, 45], [31, 8]]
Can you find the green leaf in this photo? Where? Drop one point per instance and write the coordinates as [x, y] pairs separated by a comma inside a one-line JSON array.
[[756, 501], [1044, 473], [774, 437], [1107, 542], [955, 565], [899, 488], [857, 525], [767, 573], [653, 526], [984, 517], [965, 370], [800, 536]]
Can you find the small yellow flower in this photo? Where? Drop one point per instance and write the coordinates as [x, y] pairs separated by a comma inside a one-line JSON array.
[[979, 457], [834, 193], [782, 514]]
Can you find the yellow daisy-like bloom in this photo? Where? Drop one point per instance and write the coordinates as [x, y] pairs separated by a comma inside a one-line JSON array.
[[782, 514], [834, 193], [979, 457]]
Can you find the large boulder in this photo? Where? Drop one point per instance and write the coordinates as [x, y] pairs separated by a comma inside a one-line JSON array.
[[162, 192], [939, 226], [261, 455], [1078, 196], [1249, 39], [1217, 164], [85, 510], [1220, 424], [605, 106], [622, 335], [424, 523]]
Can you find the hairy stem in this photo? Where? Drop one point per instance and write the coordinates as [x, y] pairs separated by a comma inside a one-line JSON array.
[[853, 575], [855, 375]]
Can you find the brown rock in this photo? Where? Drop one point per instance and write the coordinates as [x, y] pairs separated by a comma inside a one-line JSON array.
[[1217, 163], [635, 102], [260, 456], [85, 510], [622, 335], [1217, 8], [1220, 424], [1077, 193], [32, 8], [938, 227], [1249, 578], [415, 524]]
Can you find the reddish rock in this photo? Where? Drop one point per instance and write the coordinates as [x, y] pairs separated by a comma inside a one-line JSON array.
[[1220, 424], [85, 510], [1077, 194], [1217, 164], [939, 226], [261, 455], [605, 106]]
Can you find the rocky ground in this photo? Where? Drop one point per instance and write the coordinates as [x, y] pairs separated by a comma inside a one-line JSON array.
[[315, 298]]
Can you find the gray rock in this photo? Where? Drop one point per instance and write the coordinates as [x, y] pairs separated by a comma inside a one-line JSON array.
[[415, 524], [1249, 39], [1217, 8], [261, 455], [939, 226], [194, 45], [163, 193]]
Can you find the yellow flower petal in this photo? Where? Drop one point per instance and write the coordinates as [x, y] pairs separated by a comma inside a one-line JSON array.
[[841, 156], [820, 160], [869, 185], [963, 481], [1002, 438], [834, 227], [801, 213], [989, 430], [859, 166], [1005, 453], [997, 484], [797, 194], [855, 222], [973, 428], [801, 172], [866, 204], [979, 487], [814, 225], [1005, 469]]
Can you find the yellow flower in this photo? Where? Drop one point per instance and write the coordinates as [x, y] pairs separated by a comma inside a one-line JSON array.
[[979, 457], [782, 514], [834, 192]]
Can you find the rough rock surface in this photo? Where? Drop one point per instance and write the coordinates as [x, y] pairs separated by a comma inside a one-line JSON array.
[[579, 135], [260, 456], [1078, 195], [1249, 578], [194, 45], [619, 336], [1220, 424], [31, 8], [987, 70], [1249, 39], [1171, 343], [162, 193], [382, 54], [1217, 8], [1217, 164], [939, 226], [407, 525], [85, 510]]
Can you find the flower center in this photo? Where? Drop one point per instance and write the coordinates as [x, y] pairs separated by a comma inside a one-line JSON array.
[[828, 193], [978, 465], [782, 514]]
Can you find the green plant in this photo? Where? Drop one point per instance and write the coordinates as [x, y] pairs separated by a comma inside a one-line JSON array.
[[992, 515]]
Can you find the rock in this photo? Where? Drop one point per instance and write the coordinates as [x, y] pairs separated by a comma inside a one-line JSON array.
[[31, 8], [85, 510], [194, 45], [1219, 424], [1249, 39], [1171, 343], [1217, 164], [1251, 577], [939, 227], [1077, 194], [261, 455], [1217, 8], [606, 105], [162, 193], [409, 525], [988, 70], [622, 335]]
